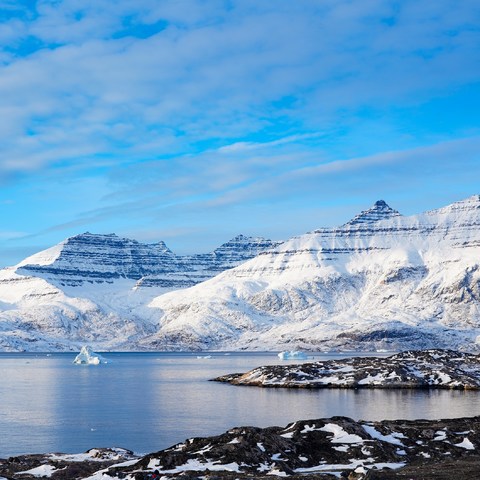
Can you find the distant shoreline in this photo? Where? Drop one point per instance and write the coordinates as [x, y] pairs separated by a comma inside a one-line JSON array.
[[413, 369]]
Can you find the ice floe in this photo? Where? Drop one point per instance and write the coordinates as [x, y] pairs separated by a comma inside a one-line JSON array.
[[88, 357], [292, 355]]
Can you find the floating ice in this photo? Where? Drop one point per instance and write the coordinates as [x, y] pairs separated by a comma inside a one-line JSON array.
[[88, 357], [292, 355]]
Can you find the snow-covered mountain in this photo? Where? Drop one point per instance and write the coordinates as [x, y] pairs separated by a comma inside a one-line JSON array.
[[382, 281], [96, 289], [100, 258]]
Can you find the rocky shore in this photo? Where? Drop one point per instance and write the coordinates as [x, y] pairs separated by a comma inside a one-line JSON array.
[[336, 447], [446, 369]]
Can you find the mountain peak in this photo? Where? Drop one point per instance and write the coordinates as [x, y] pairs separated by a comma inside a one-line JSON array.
[[467, 205], [472, 201], [380, 210], [244, 243]]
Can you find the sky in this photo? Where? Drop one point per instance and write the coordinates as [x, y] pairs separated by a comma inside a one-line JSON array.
[[192, 121]]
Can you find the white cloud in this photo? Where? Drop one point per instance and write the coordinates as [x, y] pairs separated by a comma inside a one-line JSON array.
[[214, 72], [217, 104], [248, 146]]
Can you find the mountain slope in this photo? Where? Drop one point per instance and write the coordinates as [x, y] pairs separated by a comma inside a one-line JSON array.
[[96, 289], [381, 280]]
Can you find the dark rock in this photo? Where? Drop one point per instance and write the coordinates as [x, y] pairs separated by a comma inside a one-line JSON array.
[[63, 466], [322, 448], [446, 369]]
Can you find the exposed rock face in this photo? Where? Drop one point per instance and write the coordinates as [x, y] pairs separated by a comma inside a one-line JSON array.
[[319, 449], [193, 269], [411, 369], [379, 211], [106, 258], [381, 281]]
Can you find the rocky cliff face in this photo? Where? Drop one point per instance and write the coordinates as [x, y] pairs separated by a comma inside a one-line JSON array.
[[193, 269], [100, 258], [381, 281], [106, 258]]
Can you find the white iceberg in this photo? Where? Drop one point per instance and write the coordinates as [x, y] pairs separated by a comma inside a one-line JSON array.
[[88, 357], [292, 355]]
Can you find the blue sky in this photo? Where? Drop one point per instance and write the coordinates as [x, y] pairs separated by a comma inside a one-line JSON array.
[[191, 121]]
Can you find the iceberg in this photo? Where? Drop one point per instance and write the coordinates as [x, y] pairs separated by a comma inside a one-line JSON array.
[[292, 355], [88, 357]]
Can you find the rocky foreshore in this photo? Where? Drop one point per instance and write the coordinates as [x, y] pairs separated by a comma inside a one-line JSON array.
[[447, 369], [318, 449]]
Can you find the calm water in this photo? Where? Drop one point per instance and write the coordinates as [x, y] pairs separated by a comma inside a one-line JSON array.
[[146, 402]]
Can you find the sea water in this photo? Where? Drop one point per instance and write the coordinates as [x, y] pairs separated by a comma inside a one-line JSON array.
[[149, 401]]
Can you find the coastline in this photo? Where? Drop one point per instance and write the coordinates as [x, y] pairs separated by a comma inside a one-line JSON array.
[[411, 369]]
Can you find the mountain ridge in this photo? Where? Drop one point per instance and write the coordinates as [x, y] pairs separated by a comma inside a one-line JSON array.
[[394, 283], [380, 281], [95, 288]]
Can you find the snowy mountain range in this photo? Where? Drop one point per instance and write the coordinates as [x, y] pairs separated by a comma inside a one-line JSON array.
[[97, 289], [380, 281]]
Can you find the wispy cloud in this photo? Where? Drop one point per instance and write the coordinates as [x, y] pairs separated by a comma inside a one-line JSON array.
[[213, 72], [249, 146], [387, 174]]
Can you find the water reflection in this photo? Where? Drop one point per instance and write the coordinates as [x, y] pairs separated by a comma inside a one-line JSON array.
[[146, 402]]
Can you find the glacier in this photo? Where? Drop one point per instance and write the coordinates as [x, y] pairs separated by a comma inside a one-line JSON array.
[[381, 281]]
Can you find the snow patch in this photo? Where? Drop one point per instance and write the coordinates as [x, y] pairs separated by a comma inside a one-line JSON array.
[[392, 438], [41, 471], [466, 444], [340, 435]]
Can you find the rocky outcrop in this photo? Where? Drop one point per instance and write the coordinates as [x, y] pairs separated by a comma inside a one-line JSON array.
[[325, 448], [445, 369], [58, 466]]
